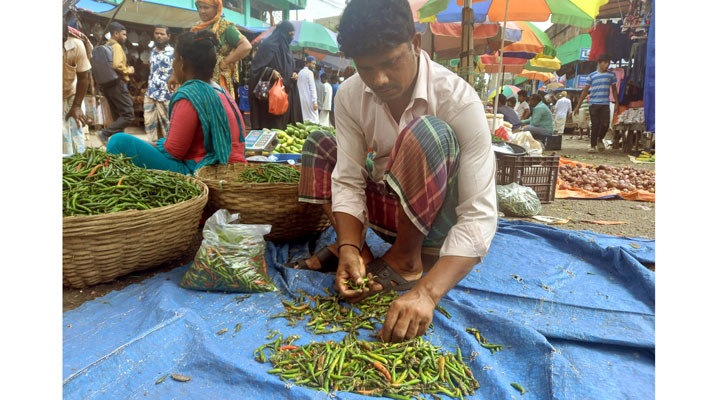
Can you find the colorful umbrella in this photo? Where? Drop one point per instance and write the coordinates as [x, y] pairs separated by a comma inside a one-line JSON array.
[[508, 91], [445, 38], [308, 35], [542, 63], [537, 76], [580, 13]]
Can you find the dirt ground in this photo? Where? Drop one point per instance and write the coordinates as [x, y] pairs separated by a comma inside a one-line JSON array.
[[639, 218]]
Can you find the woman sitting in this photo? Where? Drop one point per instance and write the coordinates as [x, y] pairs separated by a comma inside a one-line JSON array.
[[205, 125]]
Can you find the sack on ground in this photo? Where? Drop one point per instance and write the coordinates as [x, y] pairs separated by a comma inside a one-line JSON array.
[[231, 257], [515, 200]]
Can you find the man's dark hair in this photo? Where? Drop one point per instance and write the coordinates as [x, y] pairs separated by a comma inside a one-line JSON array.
[[502, 99], [164, 27], [536, 97], [323, 77], [604, 57], [511, 100], [198, 49], [116, 27], [522, 92], [371, 26]]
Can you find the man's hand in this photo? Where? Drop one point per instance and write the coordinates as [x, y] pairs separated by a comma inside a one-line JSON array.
[[408, 316], [78, 114], [351, 267], [131, 70], [276, 75], [575, 110], [314, 106], [294, 76]]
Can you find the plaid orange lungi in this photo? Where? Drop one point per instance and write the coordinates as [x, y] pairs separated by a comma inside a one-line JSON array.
[[421, 175]]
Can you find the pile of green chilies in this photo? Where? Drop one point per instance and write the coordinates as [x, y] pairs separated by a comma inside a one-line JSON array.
[[328, 314], [484, 343], [270, 173], [95, 182], [394, 370]]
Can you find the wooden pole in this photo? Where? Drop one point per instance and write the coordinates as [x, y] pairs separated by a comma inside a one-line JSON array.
[[466, 64], [500, 62]]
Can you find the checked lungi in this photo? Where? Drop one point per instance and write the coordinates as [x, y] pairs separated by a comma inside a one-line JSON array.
[[421, 175], [156, 118]]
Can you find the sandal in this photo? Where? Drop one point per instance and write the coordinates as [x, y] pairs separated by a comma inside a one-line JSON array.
[[383, 274], [328, 261]]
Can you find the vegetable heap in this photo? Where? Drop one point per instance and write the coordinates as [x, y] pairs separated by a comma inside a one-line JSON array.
[[328, 314], [270, 173], [95, 182], [394, 370], [292, 139], [604, 178]]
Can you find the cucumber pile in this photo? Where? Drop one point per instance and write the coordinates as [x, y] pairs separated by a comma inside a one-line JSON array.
[[292, 139]]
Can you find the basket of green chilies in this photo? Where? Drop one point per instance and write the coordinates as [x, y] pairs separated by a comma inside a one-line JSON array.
[[119, 218], [263, 193]]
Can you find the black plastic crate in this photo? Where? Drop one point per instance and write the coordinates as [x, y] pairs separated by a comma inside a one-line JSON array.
[[538, 173]]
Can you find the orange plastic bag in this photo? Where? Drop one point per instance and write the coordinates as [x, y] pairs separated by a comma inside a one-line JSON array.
[[637, 195], [278, 102]]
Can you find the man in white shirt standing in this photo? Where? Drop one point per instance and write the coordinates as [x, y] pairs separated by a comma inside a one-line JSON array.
[[326, 101], [412, 159], [308, 91], [562, 109]]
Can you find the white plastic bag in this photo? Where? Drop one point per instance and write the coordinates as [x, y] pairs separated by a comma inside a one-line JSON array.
[[231, 257], [527, 141], [515, 200]]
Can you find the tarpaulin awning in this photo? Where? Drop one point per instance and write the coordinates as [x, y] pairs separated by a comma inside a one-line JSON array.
[[571, 50], [576, 307], [445, 38]]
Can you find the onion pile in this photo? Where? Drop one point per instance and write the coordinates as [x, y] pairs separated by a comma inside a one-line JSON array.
[[604, 178]]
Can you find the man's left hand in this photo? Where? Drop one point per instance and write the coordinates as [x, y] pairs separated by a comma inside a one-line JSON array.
[[408, 316], [78, 114]]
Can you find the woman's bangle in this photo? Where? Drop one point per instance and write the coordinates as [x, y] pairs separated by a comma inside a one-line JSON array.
[[350, 244]]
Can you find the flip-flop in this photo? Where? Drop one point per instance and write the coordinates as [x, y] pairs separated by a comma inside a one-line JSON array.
[[328, 261], [383, 274]]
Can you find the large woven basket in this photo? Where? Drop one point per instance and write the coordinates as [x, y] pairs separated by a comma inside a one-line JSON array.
[[100, 248], [262, 203]]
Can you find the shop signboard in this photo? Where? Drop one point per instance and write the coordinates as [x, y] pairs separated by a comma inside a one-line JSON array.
[[581, 81], [584, 53]]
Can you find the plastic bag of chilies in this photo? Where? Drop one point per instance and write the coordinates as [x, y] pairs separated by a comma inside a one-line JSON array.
[[231, 257], [517, 201]]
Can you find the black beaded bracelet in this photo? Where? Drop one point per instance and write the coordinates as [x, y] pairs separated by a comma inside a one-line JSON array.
[[349, 244]]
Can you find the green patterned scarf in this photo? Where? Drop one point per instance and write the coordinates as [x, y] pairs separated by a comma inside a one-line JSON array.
[[214, 121]]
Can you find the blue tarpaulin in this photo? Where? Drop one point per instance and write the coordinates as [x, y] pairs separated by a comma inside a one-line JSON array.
[[576, 307]]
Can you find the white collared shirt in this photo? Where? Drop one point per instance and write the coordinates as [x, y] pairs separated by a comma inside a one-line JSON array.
[[364, 122]]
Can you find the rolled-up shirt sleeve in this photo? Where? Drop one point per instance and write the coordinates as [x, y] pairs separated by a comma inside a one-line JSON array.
[[349, 176], [477, 212]]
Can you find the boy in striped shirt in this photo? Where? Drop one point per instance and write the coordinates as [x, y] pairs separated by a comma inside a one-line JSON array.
[[598, 84]]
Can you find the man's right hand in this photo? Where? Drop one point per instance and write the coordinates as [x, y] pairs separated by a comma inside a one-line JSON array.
[[314, 106], [351, 267], [576, 110]]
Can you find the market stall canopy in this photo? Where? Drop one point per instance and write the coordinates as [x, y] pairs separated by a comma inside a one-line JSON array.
[[533, 40], [571, 50], [172, 13], [308, 35], [329, 61], [445, 38], [580, 13], [542, 63]]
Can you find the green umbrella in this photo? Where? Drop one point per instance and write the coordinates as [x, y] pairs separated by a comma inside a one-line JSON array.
[[308, 35]]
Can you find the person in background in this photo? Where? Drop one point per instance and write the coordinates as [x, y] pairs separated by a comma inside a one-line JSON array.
[[308, 92], [509, 115], [335, 83], [562, 109], [598, 84], [76, 71], [511, 102], [523, 110], [320, 88], [274, 54], [429, 189], [326, 101], [348, 72], [541, 122], [116, 92], [206, 126], [156, 100], [232, 47]]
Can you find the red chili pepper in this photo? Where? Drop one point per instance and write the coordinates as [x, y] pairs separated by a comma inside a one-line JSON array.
[[381, 368], [105, 164], [260, 283], [93, 171], [287, 347], [78, 168], [120, 181]]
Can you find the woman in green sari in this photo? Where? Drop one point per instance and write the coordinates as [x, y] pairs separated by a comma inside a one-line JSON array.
[[233, 46]]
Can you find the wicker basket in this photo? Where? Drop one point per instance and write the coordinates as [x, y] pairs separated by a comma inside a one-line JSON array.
[[262, 203], [100, 248], [538, 173]]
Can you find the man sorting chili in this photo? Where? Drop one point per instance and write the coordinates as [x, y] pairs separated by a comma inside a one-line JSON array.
[[412, 160]]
